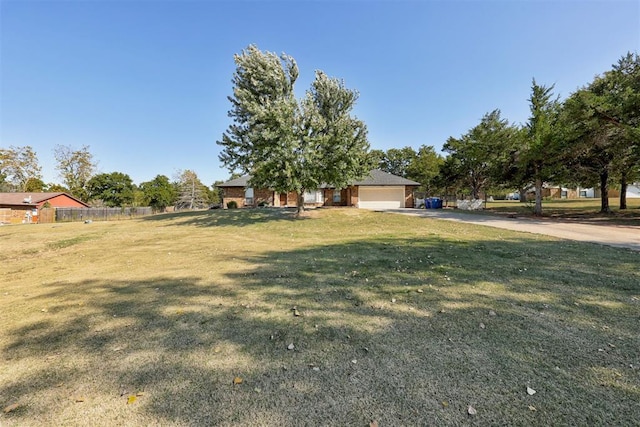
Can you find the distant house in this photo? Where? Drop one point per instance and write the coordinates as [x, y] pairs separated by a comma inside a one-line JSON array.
[[19, 208], [378, 190], [557, 192]]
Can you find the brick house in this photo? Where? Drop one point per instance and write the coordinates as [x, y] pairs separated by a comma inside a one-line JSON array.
[[378, 190], [16, 208]]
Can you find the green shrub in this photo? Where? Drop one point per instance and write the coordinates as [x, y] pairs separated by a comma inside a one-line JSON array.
[[232, 205]]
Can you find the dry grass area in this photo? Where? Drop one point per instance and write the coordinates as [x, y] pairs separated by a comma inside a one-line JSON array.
[[395, 319]]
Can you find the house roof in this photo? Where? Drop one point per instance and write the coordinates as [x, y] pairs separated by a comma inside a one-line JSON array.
[[243, 181], [20, 199], [375, 178], [379, 178]]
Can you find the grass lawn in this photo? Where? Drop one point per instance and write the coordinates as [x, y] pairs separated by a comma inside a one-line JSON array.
[[587, 210], [189, 319]]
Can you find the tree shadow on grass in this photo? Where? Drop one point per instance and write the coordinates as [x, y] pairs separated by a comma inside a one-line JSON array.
[[402, 331], [227, 217]]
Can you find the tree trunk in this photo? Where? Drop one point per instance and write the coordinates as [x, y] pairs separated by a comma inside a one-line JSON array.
[[623, 192], [300, 203], [604, 192], [537, 210], [523, 195], [475, 193]]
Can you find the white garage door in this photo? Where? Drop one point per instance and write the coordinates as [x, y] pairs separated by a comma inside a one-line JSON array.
[[381, 197]]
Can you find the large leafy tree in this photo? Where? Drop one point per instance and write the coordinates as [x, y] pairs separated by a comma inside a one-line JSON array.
[[450, 179], [114, 189], [623, 93], [476, 156], [35, 185], [398, 160], [375, 159], [286, 144], [19, 168], [425, 168], [159, 192], [602, 122], [56, 188], [216, 193], [75, 167], [512, 170]]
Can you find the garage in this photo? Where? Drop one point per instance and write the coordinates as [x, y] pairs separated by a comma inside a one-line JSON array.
[[387, 197]]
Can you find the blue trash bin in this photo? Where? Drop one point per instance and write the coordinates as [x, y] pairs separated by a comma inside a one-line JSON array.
[[427, 203], [436, 203]]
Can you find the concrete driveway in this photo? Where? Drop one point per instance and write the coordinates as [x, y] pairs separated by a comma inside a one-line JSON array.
[[606, 234]]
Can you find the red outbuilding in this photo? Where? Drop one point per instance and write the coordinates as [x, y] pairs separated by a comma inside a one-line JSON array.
[[16, 208]]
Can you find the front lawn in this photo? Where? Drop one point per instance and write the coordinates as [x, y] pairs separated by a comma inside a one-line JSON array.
[[587, 210], [343, 317]]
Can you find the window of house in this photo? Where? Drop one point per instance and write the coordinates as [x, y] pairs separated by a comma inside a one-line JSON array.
[[313, 196], [564, 194], [248, 196], [583, 193], [336, 196]]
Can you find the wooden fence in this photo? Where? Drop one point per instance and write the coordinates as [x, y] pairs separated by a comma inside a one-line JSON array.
[[99, 214], [46, 215]]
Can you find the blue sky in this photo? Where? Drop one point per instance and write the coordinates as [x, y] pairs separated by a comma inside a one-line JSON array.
[[145, 83]]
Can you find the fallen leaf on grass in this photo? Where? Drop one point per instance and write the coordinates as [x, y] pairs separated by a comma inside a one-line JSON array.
[[291, 346], [11, 408], [296, 313], [237, 380], [530, 391], [140, 393], [532, 408], [131, 400], [482, 326], [471, 410], [492, 313], [79, 399], [445, 404], [373, 424]]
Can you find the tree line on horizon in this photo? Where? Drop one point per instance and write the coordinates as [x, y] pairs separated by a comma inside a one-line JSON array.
[[20, 172], [590, 139]]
